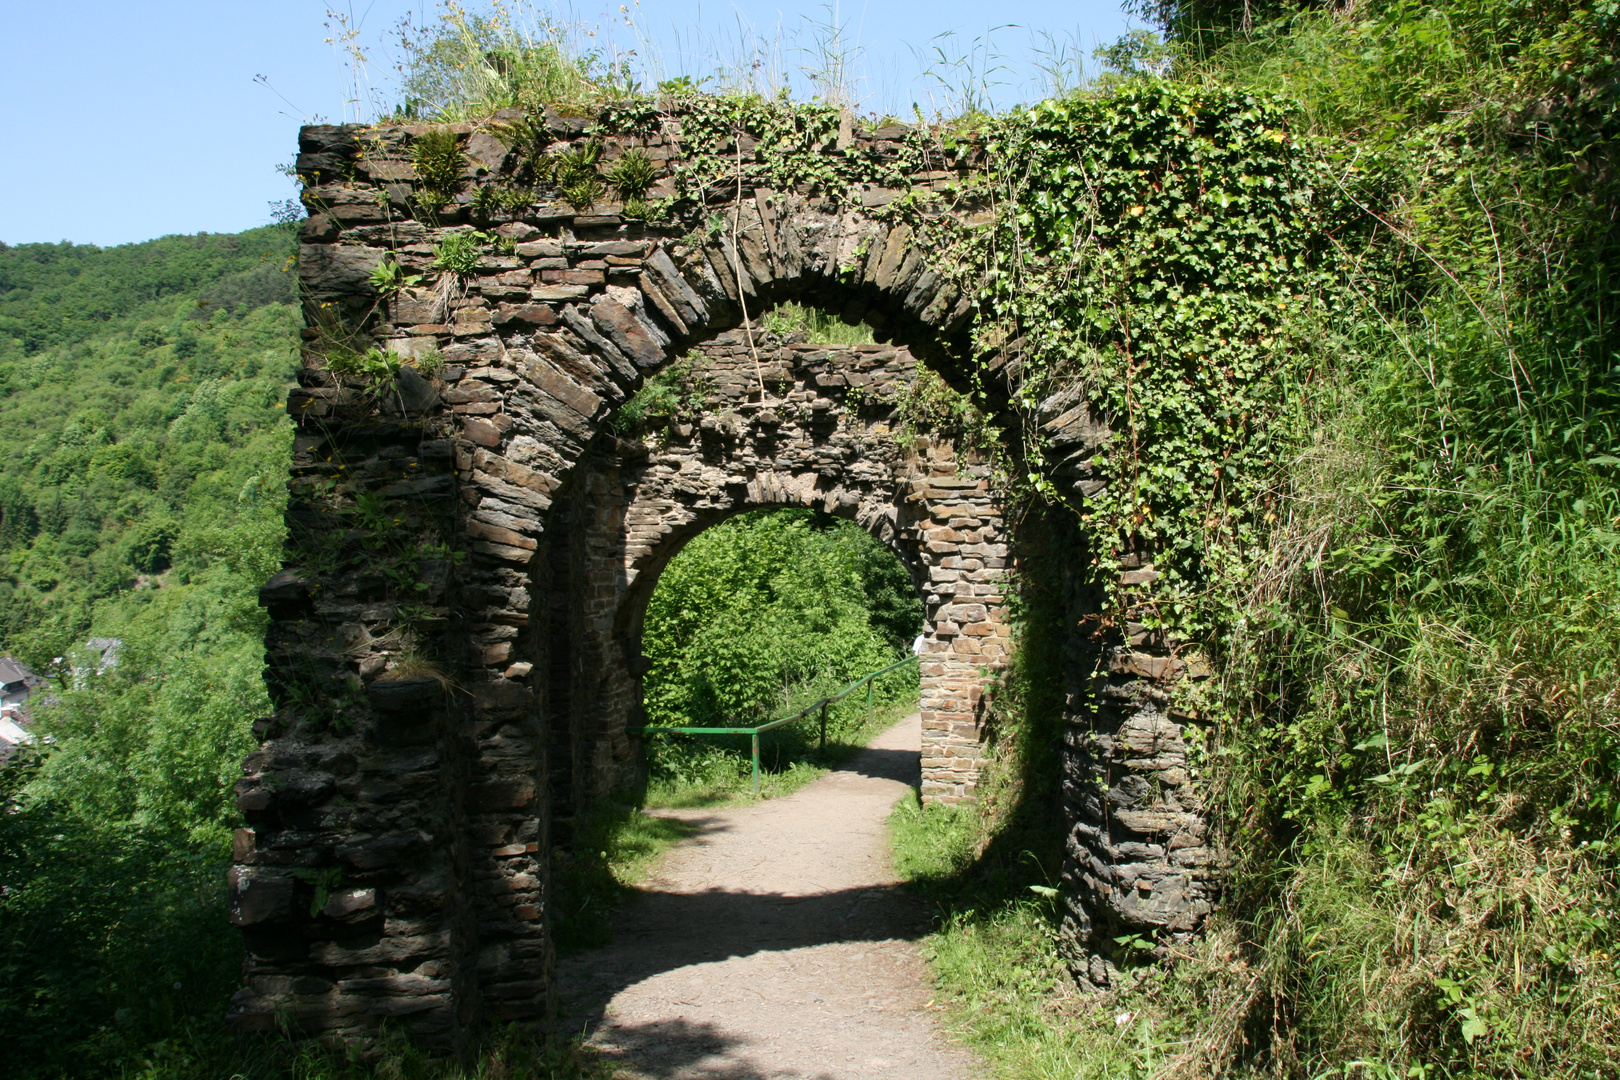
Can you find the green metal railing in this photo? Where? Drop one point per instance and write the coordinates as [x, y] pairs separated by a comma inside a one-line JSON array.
[[754, 732]]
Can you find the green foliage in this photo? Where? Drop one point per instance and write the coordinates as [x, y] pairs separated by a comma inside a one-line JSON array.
[[1167, 252], [375, 367], [582, 194], [56, 295], [172, 430], [439, 161], [764, 602], [111, 937], [930, 405], [389, 277], [818, 327], [1421, 733], [1377, 480], [576, 176], [459, 252], [758, 617], [632, 174], [665, 394], [787, 148], [527, 137], [144, 503]]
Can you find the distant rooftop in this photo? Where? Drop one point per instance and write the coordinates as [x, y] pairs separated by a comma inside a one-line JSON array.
[[15, 671]]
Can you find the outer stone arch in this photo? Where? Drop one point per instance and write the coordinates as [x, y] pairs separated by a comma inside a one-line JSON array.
[[441, 643]]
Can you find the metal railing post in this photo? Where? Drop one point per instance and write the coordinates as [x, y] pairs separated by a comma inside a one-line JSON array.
[[823, 748], [869, 682], [756, 763]]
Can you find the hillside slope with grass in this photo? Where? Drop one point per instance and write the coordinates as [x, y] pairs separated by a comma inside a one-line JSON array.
[[1411, 738]]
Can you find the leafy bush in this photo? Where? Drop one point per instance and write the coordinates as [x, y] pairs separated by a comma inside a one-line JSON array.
[[766, 602], [439, 160], [459, 252], [466, 65]]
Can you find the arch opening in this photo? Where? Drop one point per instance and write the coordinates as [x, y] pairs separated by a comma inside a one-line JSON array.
[[768, 416], [756, 618]]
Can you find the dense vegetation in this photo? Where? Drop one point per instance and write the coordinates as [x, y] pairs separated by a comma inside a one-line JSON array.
[[141, 393], [1412, 742], [760, 616], [141, 500]]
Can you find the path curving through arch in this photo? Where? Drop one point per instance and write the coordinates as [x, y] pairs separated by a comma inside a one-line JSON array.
[[776, 944]]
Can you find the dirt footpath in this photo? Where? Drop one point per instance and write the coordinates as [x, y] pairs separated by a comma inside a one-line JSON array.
[[774, 944]]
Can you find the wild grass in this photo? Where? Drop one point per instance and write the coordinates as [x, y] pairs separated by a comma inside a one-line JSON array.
[[464, 62], [466, 65], [818, 326]]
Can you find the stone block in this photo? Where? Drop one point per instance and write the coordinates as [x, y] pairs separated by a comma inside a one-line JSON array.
[[258, 895]]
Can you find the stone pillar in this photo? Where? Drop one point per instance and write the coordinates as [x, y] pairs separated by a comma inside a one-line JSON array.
[[1138, 860], [966, 637], [349, 876]]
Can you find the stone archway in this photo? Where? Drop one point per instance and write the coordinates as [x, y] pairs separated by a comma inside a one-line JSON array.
[[777, 424], [452, 647]]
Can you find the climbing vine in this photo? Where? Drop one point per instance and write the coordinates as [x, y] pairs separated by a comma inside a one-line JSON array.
[[1165, 247]]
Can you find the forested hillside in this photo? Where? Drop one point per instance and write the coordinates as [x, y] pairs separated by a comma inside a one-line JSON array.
[[142, 394]]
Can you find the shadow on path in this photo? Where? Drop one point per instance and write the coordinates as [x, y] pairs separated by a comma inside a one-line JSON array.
[[699, 928], [773, 943]]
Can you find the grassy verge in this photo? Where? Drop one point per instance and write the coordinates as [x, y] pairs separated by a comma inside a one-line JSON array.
[[1001, 979], [994, 954]]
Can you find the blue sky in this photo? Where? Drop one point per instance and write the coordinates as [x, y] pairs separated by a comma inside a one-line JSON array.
[[139, 118]]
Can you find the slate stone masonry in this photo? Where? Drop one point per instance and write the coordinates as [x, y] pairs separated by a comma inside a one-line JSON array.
[[454, 648]]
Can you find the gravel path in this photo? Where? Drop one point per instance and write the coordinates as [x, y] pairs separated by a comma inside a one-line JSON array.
[[776, 943]]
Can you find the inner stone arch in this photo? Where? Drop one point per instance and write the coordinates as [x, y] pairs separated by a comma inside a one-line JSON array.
[[767, 422]]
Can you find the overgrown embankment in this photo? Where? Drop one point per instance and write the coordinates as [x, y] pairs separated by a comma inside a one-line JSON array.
[[1411, 738]]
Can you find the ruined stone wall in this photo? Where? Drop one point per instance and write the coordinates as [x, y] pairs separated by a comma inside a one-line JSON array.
[[454, 644]]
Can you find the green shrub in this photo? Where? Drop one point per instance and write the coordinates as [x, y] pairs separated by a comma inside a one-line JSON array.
[[439, 161], [459, 252], [467, 65]]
